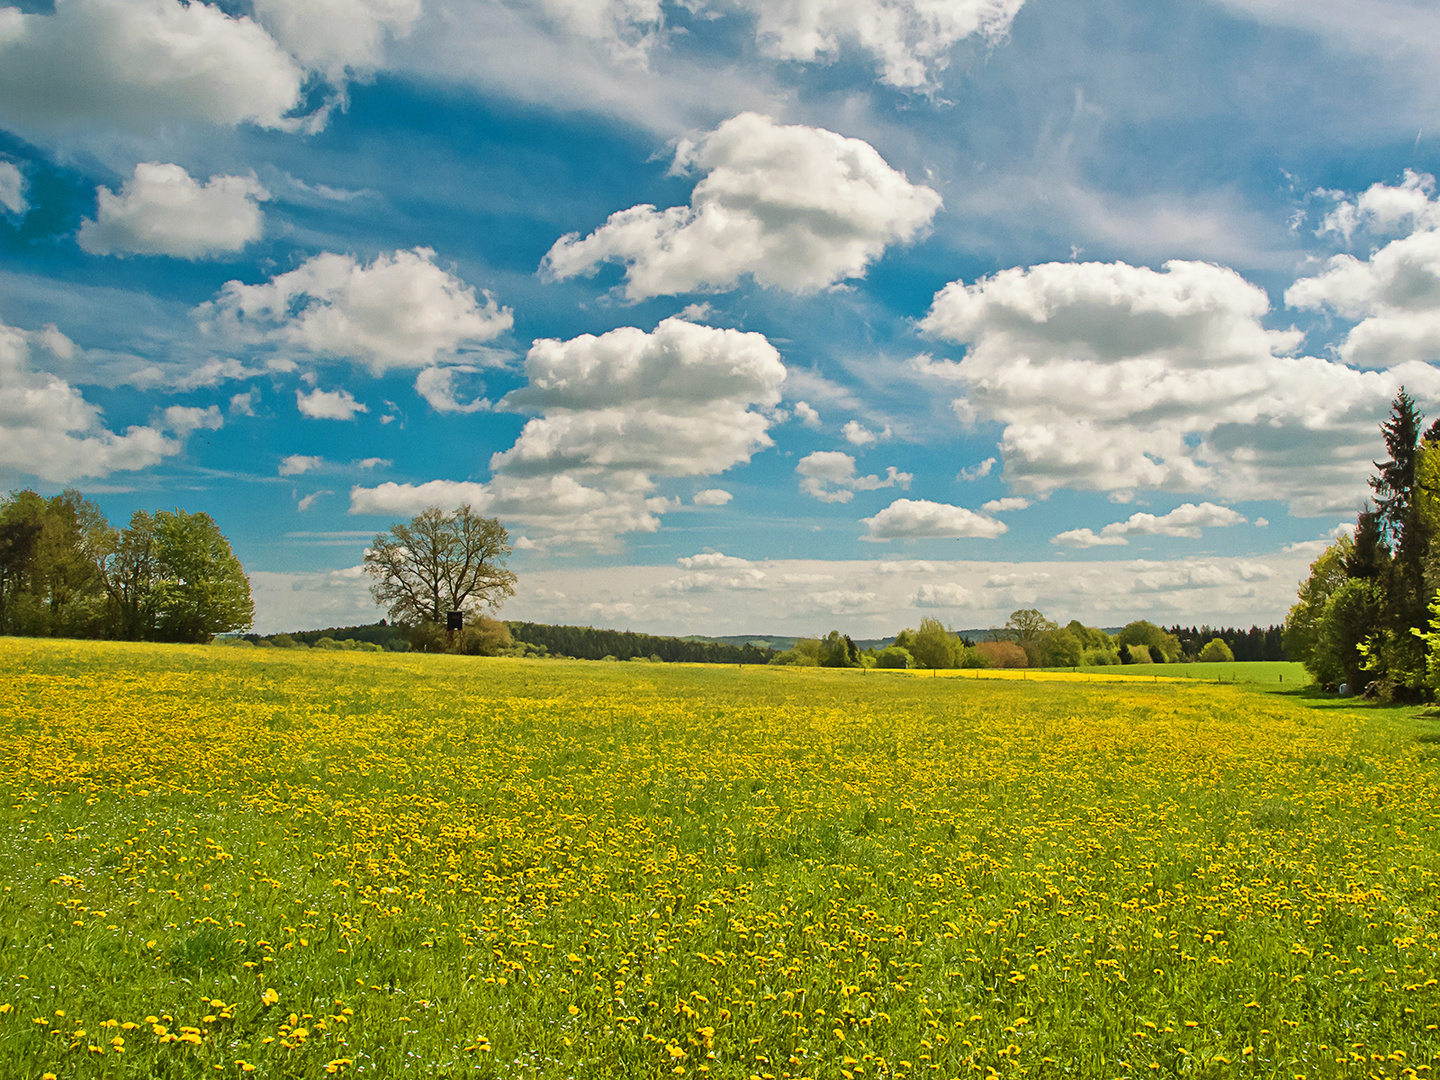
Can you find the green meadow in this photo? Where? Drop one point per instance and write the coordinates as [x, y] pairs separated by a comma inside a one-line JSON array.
[[229, 862]]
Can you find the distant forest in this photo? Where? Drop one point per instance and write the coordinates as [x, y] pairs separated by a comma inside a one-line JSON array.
[[589, 643], [577, 642], [1252, 644]]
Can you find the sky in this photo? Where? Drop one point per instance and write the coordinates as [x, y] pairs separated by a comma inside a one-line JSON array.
[[742, 316]]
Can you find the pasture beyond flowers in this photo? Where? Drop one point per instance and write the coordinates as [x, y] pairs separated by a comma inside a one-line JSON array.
[[223, 862]]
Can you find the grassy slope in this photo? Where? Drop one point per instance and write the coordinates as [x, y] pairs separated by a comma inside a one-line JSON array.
[[444, 866]]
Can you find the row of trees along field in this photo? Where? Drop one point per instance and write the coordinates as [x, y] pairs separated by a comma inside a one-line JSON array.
[[1369, 613], [1028, 640], [65, 571]]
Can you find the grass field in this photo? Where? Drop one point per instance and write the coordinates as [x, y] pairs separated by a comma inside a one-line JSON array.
[[276, 864], [1269, 674]]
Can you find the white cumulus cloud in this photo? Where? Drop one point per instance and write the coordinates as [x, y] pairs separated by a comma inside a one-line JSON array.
[[1395, 293], [12, 188], [184, 419], [298, 464], [48, 430], [614, 412], [138, 63], [336, 36], [161, 210], [712, 497], [975, 472], [944, 595], [910, 40], [829, 475], [437, 385], [1120, 378], [1185, 520], [857, 434], [400, 311], [806, 414], [328, 404], [797, 208], [1000, 506], [921, 519], [712, 560]]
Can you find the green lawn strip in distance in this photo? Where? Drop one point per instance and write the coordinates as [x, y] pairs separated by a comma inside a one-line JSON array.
[[395, 864], [1267, 673]]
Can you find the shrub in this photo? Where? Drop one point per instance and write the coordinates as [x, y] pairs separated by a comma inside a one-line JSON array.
[[893, 656], [485, 637], [1160, 645], [804, 653], [1216, 651], [972, 658], [1060, 648], [1002, 654], [1137, 654]]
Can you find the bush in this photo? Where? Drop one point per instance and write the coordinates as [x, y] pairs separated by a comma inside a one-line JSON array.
[[1100, 657], [1137, 654], [1002, 654], [893, 656], [804, 653], [1216, 651], [328, 643], [485, 637], [972, 658], [1160, 646], [933, 646], [1060, 648]]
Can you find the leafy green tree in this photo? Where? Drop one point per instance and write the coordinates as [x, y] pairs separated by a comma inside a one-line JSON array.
[[1096, 648], [1349, 621], [1215, 652], [933, 646], [1302, 625], [1162, 645], [1060, 648], [438, 563], [1431, 638], [804, 653], [21, 523], [894, 656], [48, 584], [1028, 628], [129, 570], [838, 651], [486, 637], [202, 588]]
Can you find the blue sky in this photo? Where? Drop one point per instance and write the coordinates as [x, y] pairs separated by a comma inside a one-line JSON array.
[[741, 316]]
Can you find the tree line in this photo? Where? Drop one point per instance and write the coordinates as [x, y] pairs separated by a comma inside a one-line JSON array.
[[1250, 645], [65, 571], [1367, 615], [588, 643], [1030, 640]]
